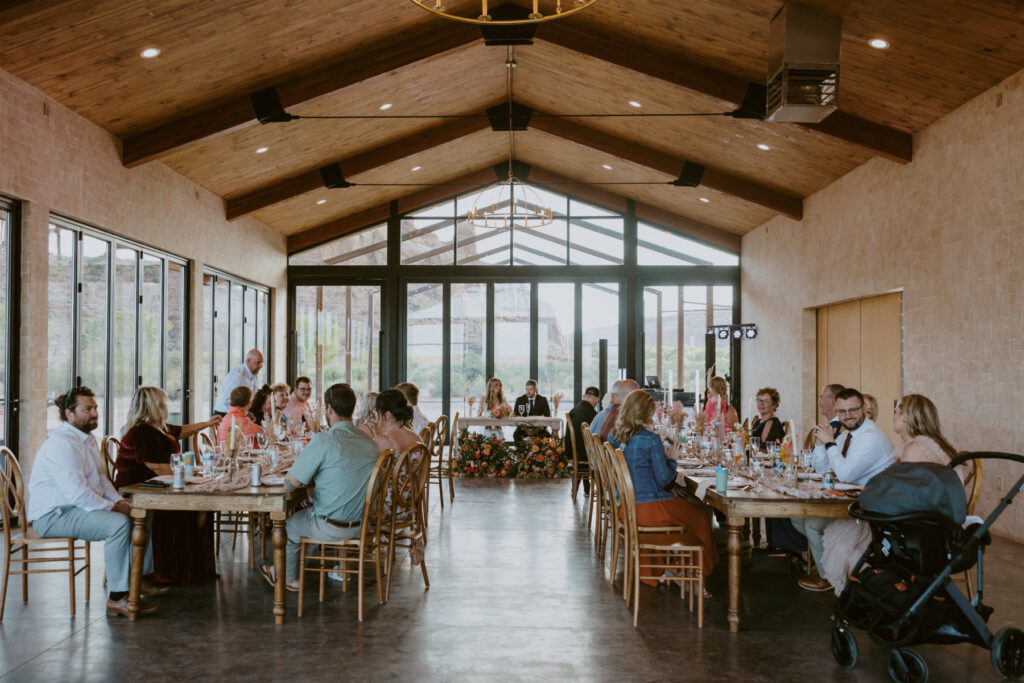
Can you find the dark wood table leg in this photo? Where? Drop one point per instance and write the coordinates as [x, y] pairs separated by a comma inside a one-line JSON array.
[[756, 522], [140, 536], [280, 539], [735, 544]]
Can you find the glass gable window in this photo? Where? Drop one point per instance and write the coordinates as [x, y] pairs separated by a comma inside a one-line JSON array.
[[659, 247], [365, 248]]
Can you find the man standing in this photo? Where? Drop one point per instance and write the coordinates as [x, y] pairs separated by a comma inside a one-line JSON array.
[[69, 497], [859, 453], [584, 411], [605, 420], [243, 375], [533, 404], [298, 410], [827, 403], [412, 397], [338, 464]]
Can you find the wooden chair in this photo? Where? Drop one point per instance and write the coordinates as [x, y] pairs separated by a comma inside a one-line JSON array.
[[406, 526], [351, 557], [236, 524], [972, 483], [20, 537], [108, 451], [580, 469], [438, 469], [605, 505], [201, 440], [453, 442], [618, 516], [686, 557]]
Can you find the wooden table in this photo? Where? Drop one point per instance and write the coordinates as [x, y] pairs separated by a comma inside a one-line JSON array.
[[274, 500], [552, 423], [737, 506]]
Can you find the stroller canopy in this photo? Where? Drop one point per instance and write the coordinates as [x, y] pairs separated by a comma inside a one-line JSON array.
[[916, 487]]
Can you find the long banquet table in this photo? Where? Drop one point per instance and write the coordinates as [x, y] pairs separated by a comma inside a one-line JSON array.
[[274, 500], [738, 505], [552, 423]]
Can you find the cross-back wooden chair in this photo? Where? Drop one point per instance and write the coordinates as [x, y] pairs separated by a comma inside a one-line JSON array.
[[972, 485], [580, 466], [20, 537], [604, 505], [648, 558], [108, 452], [201, 441], [439, 469], [406, 525], [351, 557]]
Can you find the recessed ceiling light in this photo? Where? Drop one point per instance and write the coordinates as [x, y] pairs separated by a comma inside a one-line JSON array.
[[879, 43], [763, 146], [150, 52], [705, 200], [606, 167], [634, 103], [416, 168], [321, 201], [261, 150], [385, 106]]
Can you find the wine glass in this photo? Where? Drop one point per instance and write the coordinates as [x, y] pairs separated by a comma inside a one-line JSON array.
[[522, 410], [755, 444]]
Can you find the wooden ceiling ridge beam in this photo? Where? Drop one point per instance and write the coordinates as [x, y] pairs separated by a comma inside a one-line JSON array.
[[311, 179], [221, 117], [748, 190], [891, 143]]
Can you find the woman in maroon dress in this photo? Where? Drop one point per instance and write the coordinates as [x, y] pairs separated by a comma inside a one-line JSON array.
[[182, 541]]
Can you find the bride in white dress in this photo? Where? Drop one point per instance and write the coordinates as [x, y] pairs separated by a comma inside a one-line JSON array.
[[916, 422]]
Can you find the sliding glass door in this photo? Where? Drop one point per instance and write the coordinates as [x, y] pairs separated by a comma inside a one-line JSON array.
[[9, 261]]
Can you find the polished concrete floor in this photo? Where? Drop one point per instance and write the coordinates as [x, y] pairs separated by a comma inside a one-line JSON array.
[[516, 594]]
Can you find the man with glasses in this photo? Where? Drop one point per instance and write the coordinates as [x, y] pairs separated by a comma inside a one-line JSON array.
[[860, 452], [69, 497], [298, 409]]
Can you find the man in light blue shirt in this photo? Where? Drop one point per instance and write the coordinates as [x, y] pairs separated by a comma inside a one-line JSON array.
[[243, 375]]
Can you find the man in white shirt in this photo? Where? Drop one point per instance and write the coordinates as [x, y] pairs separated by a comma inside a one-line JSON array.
[[68, 496], [859, 453], [412, 397], [243, 375]]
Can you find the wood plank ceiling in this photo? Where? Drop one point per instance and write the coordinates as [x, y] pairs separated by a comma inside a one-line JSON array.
[[190, 107]]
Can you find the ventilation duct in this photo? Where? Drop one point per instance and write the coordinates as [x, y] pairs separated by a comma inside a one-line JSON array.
[[803, 64]]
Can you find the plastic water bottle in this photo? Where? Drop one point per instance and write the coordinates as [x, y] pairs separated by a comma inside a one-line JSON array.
[[721, 479]]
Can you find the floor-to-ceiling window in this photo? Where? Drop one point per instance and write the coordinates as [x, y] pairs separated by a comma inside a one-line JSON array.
[[572, 304], [117, 317], [236, 318], [9, 261]]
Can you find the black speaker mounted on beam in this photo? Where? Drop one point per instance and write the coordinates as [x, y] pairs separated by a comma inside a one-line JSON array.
[[520, 170], [691, 175], [267, 106], [513, 34], [333, 177], [754, 105], [502, 120]]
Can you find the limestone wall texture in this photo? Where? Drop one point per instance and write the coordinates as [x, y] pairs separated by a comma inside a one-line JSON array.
[[948, 231], [54, 161]]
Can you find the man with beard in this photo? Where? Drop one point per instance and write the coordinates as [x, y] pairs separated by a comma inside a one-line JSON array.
[[859, 453], [69, 497]]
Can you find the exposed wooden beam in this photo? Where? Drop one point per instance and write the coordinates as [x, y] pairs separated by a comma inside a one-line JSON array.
[[222, 117], [882, 140], [360, 163], [16, 10], [657, 160]]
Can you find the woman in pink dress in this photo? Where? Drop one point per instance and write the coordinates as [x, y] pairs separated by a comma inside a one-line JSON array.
[[718, 407], [916, 421]]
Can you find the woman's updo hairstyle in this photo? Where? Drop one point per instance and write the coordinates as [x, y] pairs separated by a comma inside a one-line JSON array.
[[393, 401]]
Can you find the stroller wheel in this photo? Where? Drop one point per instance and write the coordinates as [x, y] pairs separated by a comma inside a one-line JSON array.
[[906, 666], [1008, 652], [844, 646]]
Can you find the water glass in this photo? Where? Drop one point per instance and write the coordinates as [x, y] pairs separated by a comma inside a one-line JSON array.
[[805, 458], [755, 443]]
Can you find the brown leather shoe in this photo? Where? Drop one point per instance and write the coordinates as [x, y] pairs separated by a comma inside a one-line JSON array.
[[815, 583], [150, 589], [121, 607]]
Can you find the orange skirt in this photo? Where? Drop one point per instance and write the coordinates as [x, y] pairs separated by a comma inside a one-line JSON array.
[[675, 512]]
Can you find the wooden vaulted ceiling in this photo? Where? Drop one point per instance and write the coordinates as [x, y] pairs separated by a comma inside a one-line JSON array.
[[190, 107]]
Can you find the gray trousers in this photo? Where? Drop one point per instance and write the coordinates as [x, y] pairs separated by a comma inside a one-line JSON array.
[[814, 529], [306, 523], [113, 528]]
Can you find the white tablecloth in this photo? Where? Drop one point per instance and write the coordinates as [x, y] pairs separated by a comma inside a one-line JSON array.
[[552, 423]]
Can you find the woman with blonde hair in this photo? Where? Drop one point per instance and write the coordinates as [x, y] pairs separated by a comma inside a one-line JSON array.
[[365, 416], [718, 407], [182, 541], [871, 407], [494, 398], [652, 471], [916, 421]]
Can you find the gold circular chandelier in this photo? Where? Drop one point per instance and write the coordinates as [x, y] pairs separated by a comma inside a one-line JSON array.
[[515, 206], [554, 9]]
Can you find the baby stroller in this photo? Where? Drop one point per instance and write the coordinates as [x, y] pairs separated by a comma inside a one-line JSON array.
[[900, 591]]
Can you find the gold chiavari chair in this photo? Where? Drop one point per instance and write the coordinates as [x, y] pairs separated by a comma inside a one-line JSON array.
[[350, 558], [108, 453], [20, 537], [604, 486], [618, 515], [406, 527], [438, 469], [685, 556], [580, 469]]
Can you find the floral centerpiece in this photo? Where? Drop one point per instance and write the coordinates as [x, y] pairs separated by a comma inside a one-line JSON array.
[[503, 410], [481, 455], [543, 458]]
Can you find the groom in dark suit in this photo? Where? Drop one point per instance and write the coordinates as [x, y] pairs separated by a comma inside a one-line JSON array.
[[535, 404]]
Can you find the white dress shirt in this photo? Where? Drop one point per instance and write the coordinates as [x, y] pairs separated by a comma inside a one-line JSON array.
[[869, 453], [419, 420], [240, 376], [66, 473]]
